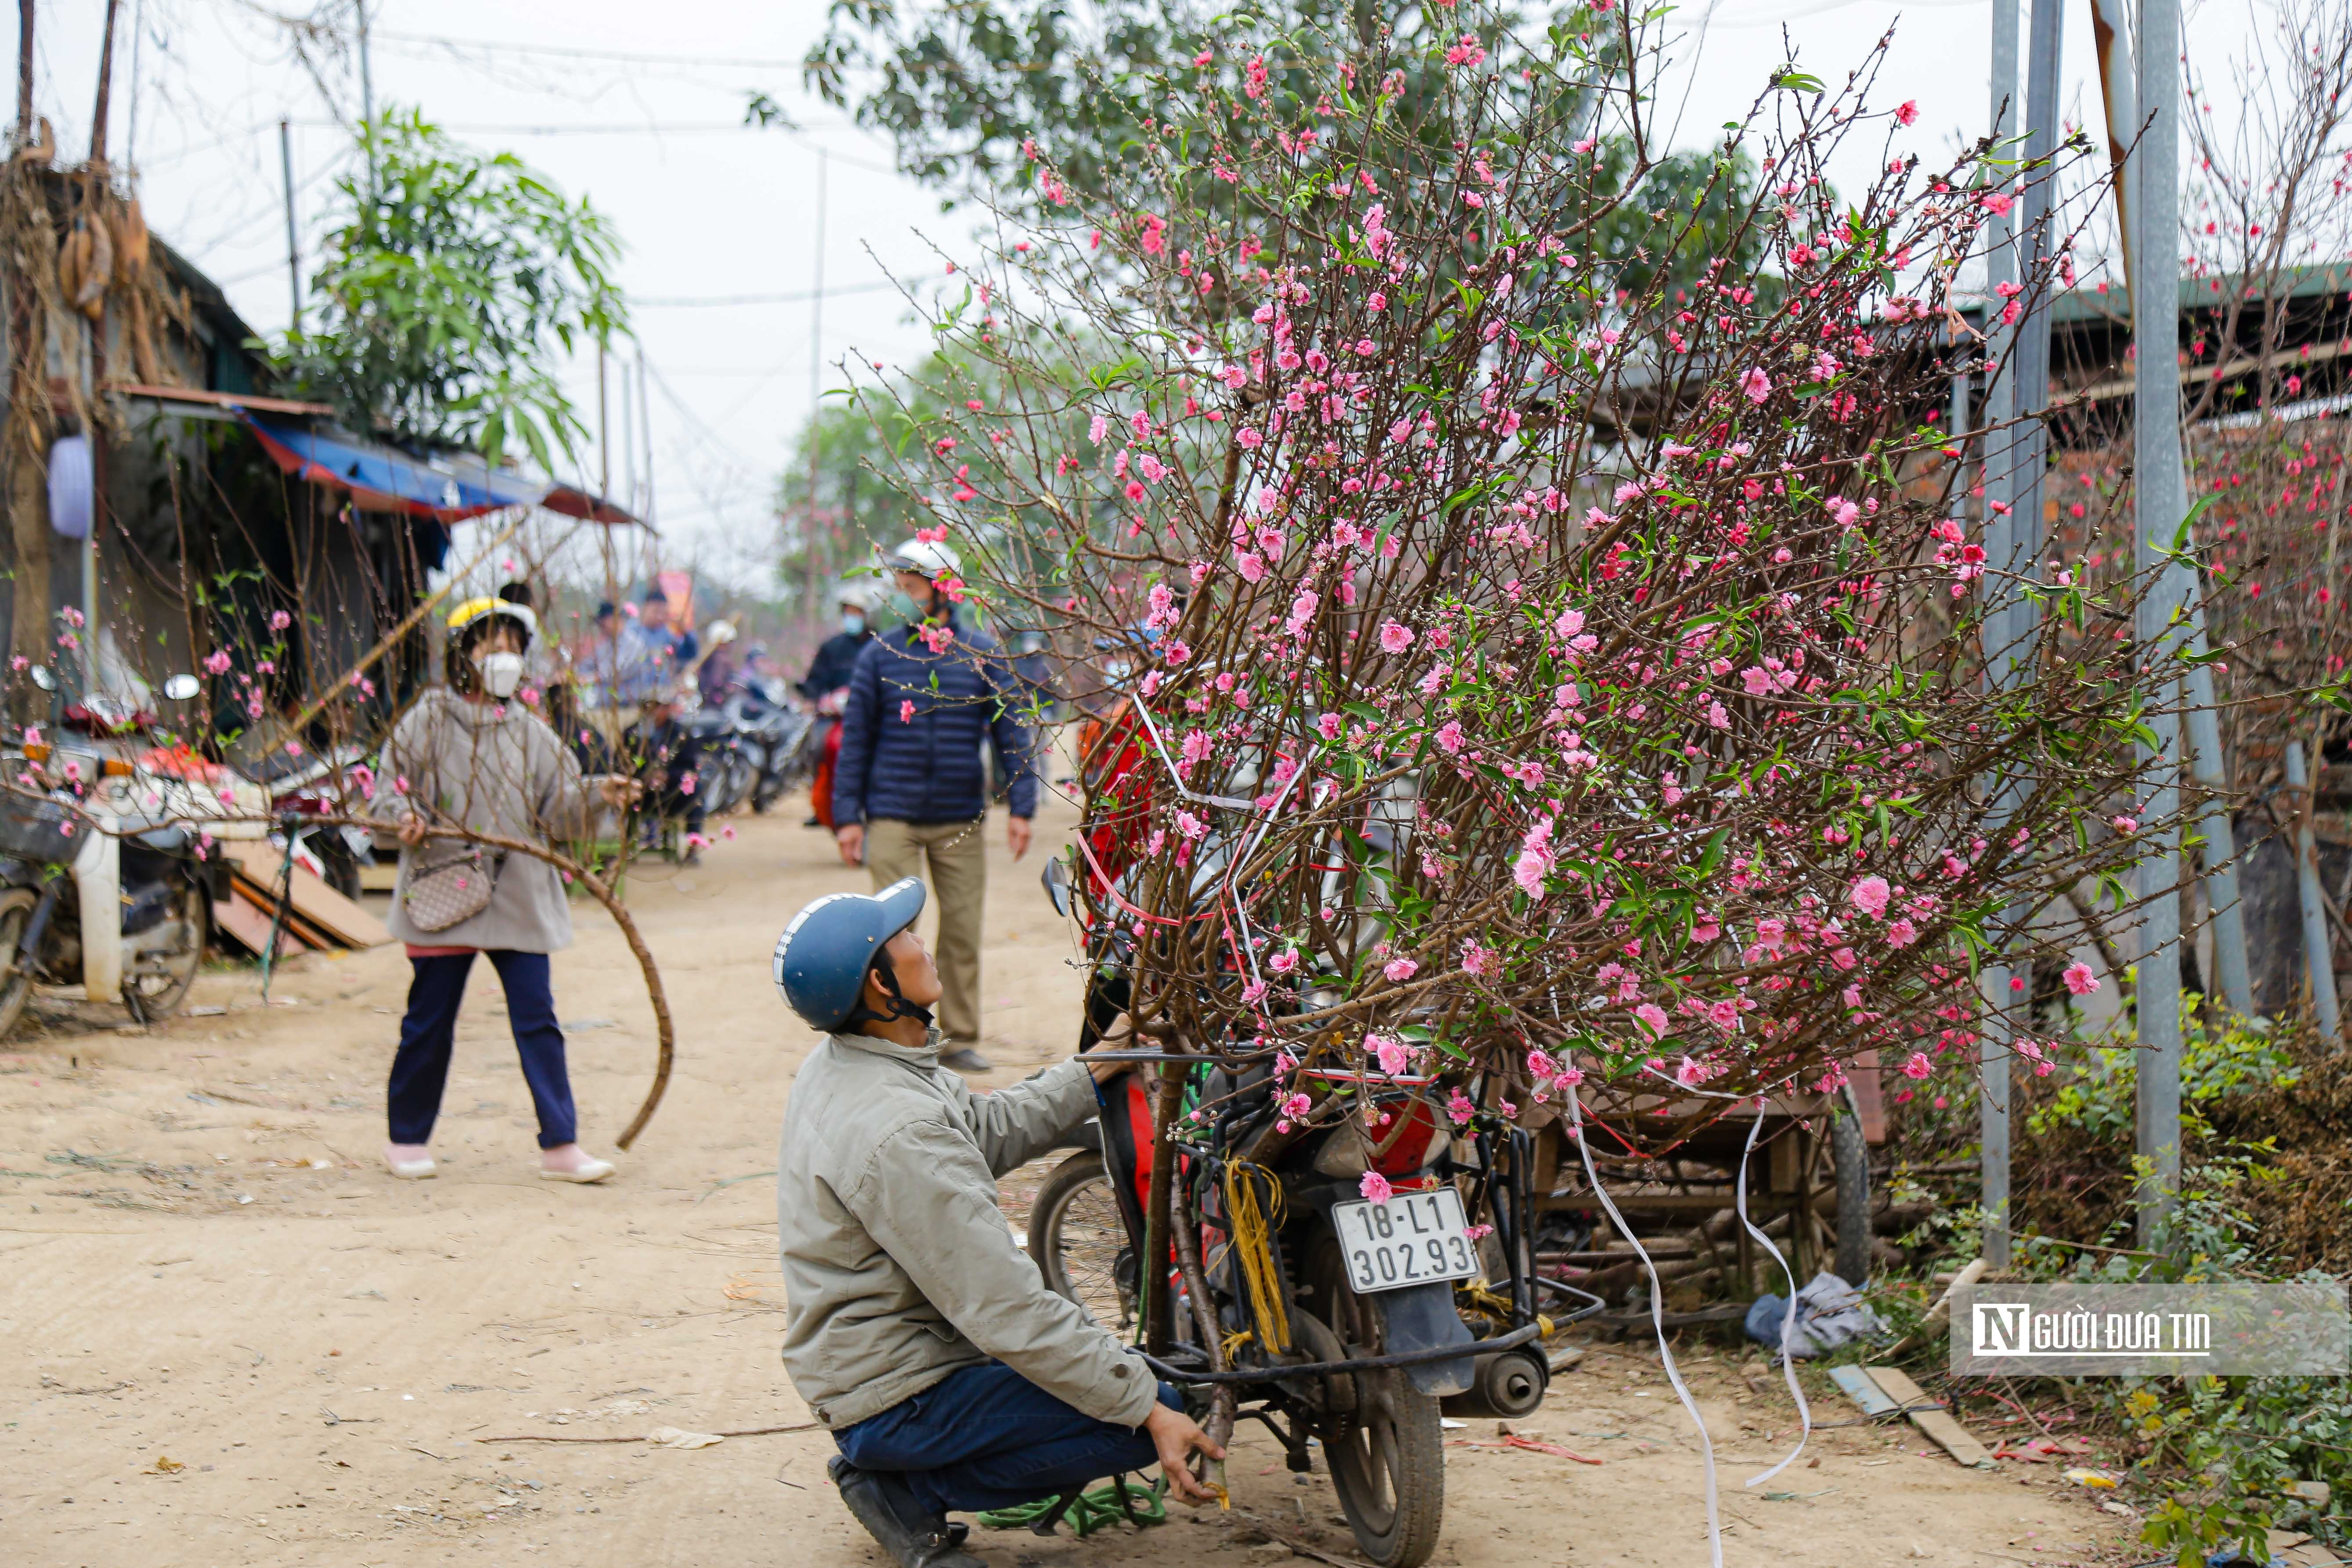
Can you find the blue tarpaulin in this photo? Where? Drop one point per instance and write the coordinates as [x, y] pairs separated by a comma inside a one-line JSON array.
[[382, 478]]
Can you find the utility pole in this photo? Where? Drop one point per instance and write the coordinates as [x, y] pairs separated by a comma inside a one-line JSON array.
[[628, 438], [293, 244], [367, 97], [105, 87], [2161, 503], [603, 428], [816, 373], [24, 73], [646, 415], [131, 130]]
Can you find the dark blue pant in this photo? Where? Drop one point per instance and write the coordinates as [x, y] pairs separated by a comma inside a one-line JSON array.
[[988, 1437], [422, 1066]]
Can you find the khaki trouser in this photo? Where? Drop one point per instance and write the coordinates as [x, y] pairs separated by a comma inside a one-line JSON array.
[[958, 857]]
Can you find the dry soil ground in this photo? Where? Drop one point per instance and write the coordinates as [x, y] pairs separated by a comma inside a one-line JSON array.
[[227, 1337]]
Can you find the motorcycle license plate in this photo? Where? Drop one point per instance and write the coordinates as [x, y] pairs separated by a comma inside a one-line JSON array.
[[1411, 1238]]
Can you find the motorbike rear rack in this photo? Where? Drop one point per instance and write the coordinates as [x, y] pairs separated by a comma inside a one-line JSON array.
[[1521, 1335]]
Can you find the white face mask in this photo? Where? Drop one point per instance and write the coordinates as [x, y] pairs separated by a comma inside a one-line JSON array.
[[501, 673]]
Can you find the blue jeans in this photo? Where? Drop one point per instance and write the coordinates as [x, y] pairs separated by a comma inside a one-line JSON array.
[[988, 1437], [420, 1067]]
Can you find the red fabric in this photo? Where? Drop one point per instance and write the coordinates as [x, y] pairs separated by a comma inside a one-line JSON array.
[[417, 951], [821, 787]]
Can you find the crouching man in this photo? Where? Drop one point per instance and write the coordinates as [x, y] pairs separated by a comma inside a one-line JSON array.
[[952, 1379]]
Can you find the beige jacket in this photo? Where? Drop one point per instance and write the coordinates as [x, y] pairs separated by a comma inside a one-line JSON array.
[[898, 1267], [494, 767]]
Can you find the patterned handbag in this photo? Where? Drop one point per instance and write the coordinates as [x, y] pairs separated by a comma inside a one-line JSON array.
[[455, 885]]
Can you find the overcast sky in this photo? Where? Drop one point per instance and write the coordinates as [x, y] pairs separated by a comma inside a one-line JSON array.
[[640, 110]]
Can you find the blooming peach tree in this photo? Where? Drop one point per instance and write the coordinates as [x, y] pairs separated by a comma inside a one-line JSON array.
[[1512, 664]]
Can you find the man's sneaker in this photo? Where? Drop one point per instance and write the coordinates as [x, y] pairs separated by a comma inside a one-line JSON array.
[[965, 1058], [913, 1535]]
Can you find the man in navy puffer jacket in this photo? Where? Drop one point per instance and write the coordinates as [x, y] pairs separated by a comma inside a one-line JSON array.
[[912, 785]]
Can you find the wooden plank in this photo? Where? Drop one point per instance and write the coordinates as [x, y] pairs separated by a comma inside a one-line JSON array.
[[318, 904], [1863, 1392], [248, 925], [1935, 1420]]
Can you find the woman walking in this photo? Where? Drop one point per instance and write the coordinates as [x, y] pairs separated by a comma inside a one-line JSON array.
[[472, 756]]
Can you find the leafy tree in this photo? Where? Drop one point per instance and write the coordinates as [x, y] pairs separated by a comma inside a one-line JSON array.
[[977, 93], [865, 452], [453, 279]]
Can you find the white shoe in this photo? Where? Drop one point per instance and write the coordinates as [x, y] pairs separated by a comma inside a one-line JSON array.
[[417, 1169], [588, 1170]]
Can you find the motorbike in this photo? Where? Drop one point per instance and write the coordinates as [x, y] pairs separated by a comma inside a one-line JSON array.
[[106, 877], [1343, 1316], [771, 729], [726, 773]]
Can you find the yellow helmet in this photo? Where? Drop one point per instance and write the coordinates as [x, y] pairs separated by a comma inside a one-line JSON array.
[[474, 610]]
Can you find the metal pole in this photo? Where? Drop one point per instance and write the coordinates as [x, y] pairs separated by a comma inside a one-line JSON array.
[[2001, 267], [2319, 951], [2160, 505], [293, 245], [1995, 478], [2030, 387], [2217, 834]]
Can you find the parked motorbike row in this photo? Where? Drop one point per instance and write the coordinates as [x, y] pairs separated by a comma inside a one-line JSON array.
[[757, 746]]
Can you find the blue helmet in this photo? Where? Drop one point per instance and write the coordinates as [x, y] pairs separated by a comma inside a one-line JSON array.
[[822, 956]]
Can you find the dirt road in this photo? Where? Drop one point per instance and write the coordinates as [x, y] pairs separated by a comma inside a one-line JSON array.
[[227, 1338]]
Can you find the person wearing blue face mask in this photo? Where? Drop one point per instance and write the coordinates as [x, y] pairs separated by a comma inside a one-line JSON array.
[[838, 655]]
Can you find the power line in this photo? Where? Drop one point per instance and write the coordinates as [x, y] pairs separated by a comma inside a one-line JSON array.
[[803, 296], [606, 127], [552, 51]]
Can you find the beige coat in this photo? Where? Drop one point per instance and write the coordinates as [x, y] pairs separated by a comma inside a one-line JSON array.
[[898, 1267], [494, 767]]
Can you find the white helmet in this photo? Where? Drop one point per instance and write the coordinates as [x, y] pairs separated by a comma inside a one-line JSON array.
[[718, 634], [925, 558], [863, 592]]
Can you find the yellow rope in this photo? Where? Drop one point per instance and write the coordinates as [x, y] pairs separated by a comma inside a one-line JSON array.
[[1481, 1296], [1252, 1241]]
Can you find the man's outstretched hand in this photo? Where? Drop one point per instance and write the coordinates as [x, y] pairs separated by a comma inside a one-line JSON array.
[[1178, 1438]]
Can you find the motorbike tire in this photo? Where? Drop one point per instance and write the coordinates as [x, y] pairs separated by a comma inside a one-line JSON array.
[[1849, 1157], [1080, 1243], [15, 983], [162, 997], [1387, 1454]]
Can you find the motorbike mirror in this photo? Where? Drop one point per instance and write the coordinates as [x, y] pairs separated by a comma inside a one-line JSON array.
[[180, 688], [43, 678], [1056, 878]]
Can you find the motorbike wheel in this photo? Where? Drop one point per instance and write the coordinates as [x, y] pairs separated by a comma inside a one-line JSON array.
[[1388, 1455], [1849, 1155], [16, 982], [1079, 1242], [157, 993]]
